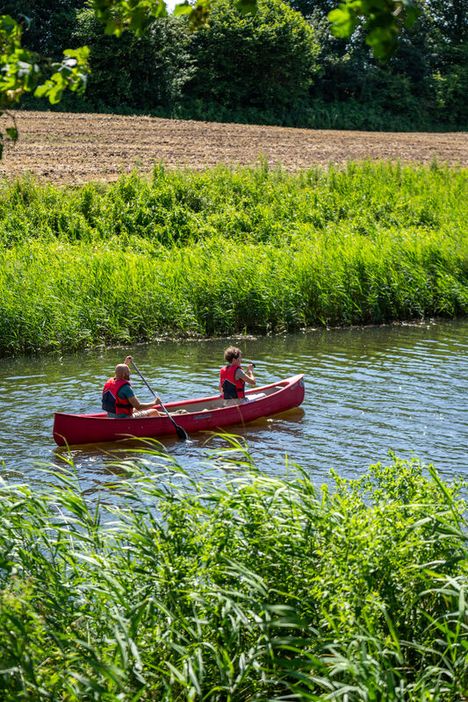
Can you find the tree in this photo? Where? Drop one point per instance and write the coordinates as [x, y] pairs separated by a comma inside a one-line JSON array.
[[23, 71], [263, 60], [49, 24], [144, 73], [447, 37], [382, 21]]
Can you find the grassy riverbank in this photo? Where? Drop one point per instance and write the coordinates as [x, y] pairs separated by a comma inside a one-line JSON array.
[[252, 588], [223, 252]]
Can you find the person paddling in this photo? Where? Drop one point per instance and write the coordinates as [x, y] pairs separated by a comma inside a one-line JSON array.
[[119, 400], [232, 378]]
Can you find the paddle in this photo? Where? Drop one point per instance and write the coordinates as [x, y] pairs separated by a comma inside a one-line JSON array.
[[181, 433]]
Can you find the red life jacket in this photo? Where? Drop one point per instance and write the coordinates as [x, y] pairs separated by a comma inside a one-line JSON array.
[[232, 387], [111, 402]]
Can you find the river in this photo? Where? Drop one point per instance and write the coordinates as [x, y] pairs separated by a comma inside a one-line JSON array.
[[400, 388]]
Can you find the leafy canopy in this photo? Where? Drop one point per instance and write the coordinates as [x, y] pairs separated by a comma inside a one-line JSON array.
[[24, 71]]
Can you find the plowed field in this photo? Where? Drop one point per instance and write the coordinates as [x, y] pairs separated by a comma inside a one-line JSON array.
[[75, 148]]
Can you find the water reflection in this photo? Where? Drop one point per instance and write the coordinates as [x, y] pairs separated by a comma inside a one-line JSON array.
[[400, 388]]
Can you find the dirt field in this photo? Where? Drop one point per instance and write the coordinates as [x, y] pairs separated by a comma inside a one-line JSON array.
[[74, 148]]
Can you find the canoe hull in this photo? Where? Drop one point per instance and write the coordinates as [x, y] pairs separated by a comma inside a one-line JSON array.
[[202, 415]]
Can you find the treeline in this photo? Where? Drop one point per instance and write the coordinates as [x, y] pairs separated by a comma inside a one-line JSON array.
[[278, 66]]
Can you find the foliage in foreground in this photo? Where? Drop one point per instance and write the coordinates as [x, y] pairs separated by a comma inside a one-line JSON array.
[[223, 252], [231, 589]]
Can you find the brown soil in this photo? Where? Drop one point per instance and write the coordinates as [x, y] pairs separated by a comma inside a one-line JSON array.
[[75, 148]]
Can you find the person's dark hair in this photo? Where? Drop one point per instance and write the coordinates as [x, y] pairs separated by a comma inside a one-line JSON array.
[[231, 353]]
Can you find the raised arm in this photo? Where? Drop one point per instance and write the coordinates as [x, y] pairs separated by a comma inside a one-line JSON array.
[[248, 375]]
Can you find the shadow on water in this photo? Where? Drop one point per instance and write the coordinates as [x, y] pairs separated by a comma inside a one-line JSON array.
[[368, 391], [100, 461]]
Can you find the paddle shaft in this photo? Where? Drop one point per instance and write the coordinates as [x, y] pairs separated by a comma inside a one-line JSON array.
[[181, 433]]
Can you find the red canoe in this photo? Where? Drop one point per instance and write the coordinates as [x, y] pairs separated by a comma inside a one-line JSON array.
[[202, 414]]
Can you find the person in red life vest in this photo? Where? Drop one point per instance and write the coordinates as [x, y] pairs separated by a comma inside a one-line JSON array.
[[119, 400], [232, 378]]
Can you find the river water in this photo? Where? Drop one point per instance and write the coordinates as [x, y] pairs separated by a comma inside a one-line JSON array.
[[400, 388]]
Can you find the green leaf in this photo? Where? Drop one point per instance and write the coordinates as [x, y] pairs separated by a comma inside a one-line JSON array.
[[55, 95], [41, 91], [247, 7], [113, 27], [342, 21], [12, 133], [182, 9]]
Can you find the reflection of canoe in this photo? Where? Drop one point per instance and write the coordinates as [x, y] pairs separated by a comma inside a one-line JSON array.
[[202, 414]]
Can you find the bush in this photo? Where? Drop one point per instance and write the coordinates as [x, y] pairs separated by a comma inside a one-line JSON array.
[[264, 61], [232, 590], [146, 73], [222, 252]]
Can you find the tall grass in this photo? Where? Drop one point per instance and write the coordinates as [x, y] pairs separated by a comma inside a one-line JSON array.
[[252, 588], [224, 251]]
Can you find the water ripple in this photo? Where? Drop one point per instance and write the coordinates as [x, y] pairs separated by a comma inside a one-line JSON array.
[[368, 391]]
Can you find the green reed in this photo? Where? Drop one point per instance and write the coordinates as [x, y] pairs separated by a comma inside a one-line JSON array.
[[222, 252], [248, 588]]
